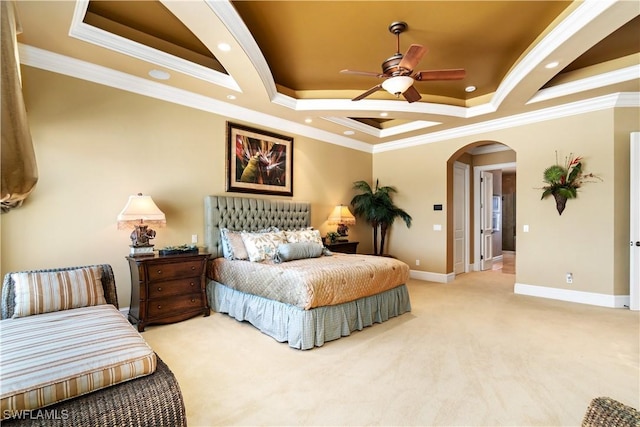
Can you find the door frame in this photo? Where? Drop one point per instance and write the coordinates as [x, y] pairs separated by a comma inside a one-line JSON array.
[[467, 214], [476, 206], [634, 251]]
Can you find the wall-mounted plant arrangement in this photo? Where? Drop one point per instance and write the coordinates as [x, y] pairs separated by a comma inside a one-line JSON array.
[[564, 180]]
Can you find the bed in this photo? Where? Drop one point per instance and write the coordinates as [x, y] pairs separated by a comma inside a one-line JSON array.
[[285, 300]]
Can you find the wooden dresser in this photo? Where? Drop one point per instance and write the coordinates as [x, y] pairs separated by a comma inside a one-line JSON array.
[[167, 289]]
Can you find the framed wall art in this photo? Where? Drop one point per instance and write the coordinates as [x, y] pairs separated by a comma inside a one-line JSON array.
[[258, 161]]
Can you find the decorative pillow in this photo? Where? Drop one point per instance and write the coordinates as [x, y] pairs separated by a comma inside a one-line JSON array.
[[292, 251], [38, 293], [232, 244], [306, 235], [261, 246]]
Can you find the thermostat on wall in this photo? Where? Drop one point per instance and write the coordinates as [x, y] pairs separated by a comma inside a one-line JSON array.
[[437, 207]]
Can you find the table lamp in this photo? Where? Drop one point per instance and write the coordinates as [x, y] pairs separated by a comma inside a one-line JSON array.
[[139, 213], [342, 216]]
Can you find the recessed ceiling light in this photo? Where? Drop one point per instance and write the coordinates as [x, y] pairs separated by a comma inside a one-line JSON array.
[[553, 64], [383, 114], [308, 120], [224, 47], [231, 97], [159, 74], [470, 89], [349, 132]]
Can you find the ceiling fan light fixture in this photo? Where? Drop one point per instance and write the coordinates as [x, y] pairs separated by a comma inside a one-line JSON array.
[[397, 85]]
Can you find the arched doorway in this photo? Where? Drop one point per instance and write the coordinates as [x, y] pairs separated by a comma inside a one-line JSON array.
[[477, 228]]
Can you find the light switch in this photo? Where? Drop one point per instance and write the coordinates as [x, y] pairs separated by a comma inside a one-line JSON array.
[[437, 227], [525, 228]]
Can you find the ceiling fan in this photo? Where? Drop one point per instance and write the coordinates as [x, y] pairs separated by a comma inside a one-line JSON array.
[[397, 70]]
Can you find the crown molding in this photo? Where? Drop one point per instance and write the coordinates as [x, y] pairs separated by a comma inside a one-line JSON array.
[[588, 83], [586, 12], [616, 100], [99, 37], [381, 133], [83, 70]]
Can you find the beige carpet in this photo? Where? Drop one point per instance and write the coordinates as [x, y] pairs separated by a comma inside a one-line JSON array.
[[470, 353]]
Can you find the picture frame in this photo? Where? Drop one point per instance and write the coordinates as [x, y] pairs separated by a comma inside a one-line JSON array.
[[258, 161]]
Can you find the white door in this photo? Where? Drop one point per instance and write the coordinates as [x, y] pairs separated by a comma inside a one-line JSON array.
[[460, 217], [486, 220], [634, 283]]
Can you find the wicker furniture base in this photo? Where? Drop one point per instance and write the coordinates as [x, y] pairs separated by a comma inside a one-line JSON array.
[[606, 412], [154, 400]]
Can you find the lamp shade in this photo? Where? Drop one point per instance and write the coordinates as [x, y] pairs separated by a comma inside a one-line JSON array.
[[397, 85], [141, 209], [341, 215]]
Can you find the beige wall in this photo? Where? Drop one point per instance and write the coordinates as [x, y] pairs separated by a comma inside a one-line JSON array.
[[96, 145], [586, 240]]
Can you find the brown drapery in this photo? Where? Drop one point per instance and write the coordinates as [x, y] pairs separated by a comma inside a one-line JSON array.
[[19, 170]]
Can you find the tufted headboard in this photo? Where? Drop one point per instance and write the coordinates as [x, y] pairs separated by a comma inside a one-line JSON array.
[[243, 213]]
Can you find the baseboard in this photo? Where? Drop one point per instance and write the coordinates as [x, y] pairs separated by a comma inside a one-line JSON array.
[[124, 311], [432, 277], [591, 298]]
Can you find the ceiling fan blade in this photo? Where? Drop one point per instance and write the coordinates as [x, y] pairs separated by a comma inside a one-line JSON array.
[[411, 95], [454, 74], [367, 93], [362, 73], [412, 57]]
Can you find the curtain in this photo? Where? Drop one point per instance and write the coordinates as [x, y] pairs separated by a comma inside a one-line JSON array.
[[18, 168]]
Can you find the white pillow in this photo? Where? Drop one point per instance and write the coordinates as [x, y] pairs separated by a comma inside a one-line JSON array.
[[306, 235], [43, 292], [232, 245], [262, 246]]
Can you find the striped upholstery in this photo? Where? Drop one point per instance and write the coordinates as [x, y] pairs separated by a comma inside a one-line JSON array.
[[44, 292], [56, 356]]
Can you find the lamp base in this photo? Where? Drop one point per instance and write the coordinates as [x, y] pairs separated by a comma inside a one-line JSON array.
[[141, 250]]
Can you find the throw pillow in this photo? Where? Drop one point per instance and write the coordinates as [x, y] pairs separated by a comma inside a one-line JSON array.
[[262, 246], [38, 293], [292, 251], [232, 245]]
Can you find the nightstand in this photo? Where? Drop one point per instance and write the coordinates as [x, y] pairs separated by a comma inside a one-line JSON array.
[[344, 247], [167, 289]]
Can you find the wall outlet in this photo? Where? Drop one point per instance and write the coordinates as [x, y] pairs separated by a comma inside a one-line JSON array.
[[569, 278], [417, 262], [194, 238]]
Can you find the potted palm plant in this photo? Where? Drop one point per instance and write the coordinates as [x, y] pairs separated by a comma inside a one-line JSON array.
[[376, 208]]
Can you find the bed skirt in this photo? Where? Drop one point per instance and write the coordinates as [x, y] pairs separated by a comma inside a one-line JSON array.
[[305, 329]]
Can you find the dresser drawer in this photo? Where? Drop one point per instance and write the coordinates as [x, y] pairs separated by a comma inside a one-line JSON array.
[[174, 270], [174, 287], [169, 306]]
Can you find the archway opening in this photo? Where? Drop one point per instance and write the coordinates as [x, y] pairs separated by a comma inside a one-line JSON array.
[[481, 234]]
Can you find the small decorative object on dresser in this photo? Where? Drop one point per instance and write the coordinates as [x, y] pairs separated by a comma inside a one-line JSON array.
[[343, 247], [167, 289]]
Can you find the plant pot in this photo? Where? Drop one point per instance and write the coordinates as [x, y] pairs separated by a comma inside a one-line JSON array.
[[561, 202]]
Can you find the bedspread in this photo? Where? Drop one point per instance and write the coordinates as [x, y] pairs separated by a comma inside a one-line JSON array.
[[316, 282]]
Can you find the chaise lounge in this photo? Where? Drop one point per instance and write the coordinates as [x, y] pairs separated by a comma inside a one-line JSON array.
[[69, 357]]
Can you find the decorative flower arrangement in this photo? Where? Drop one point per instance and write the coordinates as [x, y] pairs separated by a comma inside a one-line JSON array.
[[564, 180]]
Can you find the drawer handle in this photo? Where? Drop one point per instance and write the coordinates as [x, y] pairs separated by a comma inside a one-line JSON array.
[[159, 271], [193, 267], [159, 288], [193, 300], [193, 284], [159, 307]]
